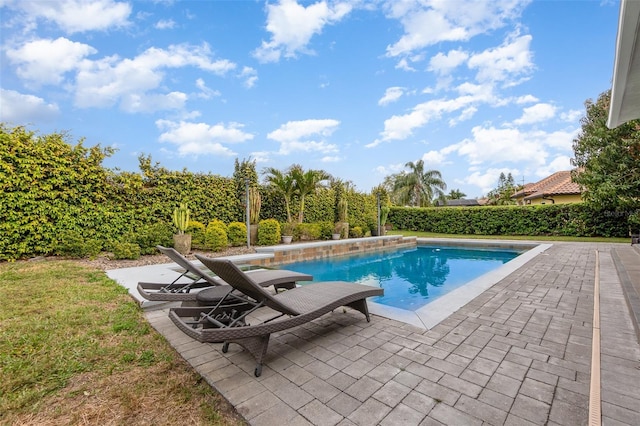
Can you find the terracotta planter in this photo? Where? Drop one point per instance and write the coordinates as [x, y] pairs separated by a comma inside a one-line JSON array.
[[182, 243]]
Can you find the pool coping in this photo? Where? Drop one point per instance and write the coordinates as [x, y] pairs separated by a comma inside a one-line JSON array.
[[425, 317], [431, 314]]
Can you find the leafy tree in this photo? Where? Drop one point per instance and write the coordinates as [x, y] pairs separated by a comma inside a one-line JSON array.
[[306, 182], [455, 194], [501, 195], [417, 187], [608, 160]]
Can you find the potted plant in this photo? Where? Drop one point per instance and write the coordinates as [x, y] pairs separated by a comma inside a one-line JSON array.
[[181, 241], [287, 232], [384, 214], [337, 230]]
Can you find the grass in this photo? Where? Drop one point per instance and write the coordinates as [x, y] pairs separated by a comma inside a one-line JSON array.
[[76, 349], [511, 237]]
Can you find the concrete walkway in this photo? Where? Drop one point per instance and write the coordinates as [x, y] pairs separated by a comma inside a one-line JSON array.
[[518, 354]]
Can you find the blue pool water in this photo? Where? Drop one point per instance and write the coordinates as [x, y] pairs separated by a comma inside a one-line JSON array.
[[411, 278]]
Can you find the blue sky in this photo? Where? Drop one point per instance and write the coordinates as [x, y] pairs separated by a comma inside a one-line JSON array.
[[357, 88]]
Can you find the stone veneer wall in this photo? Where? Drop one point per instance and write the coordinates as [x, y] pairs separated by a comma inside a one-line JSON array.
[[283, 254]]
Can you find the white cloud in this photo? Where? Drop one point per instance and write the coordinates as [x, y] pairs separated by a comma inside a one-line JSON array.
[[165, 24], [105, 82], [536, 114], [465, 115], [74, 16], [513, 58], [501, 145], [559, 163], [428, 23], [134, 102], [392, 94], [511, 145], [488, 179], [45, 61], [403, 64], [444, 64], [205, 92], [202, 138], [331, 159], [526, 99], [572, 116], [292, 26], [434, 158], [390, 169], [261, 156], [250, 76], [300, 136], [18, 108], [400, 127]]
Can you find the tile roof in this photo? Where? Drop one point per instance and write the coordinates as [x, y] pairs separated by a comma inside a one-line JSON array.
[[559, 183]]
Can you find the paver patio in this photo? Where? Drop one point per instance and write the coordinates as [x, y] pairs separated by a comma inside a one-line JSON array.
[[518, 354]]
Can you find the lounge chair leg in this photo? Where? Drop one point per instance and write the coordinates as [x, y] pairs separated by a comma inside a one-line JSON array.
[[225, 347], [361, 306], [258, 370]]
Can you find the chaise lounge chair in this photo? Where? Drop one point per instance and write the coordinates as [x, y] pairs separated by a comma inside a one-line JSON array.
[[293, 307], [212, 288]]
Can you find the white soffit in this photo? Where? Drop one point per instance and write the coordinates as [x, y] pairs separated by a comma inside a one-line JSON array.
[[625, 91]]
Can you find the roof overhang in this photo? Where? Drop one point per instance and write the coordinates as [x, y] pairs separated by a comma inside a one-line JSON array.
[[625, 91]]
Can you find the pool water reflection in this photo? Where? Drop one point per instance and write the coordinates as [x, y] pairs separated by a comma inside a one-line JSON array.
[[411, 278]]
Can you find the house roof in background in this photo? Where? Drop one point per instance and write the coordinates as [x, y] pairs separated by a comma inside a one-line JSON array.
[[625, 90], [462, 202], [559, 183]]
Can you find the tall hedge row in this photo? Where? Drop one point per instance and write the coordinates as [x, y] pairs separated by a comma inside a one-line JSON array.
[[54, 193], [580, 220]]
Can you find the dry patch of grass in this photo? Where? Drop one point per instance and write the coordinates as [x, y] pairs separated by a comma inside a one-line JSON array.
[[75, 349]]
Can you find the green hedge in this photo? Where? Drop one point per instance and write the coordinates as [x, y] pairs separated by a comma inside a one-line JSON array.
[[579, 220], [56, 197]]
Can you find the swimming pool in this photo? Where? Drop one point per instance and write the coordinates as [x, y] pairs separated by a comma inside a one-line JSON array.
[[413, 277]]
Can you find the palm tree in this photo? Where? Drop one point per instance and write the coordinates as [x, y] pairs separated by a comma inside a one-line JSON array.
[[306, 183], [419, 187], [455, 194], [283, 183]]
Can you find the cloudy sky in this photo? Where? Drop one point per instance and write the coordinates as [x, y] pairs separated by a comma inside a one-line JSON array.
[[357, 88]]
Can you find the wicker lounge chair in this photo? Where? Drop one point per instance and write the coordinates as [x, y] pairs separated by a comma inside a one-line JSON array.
[[212, 289], [293, 307]]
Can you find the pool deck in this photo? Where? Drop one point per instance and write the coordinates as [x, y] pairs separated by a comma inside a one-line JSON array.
[[519, 353]]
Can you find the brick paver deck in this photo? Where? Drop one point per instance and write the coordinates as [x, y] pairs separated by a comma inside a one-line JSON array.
[[518, 354]]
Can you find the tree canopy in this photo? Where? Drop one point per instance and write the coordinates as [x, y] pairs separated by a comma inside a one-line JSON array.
[[608, 160], [415, 187], [501, 195]]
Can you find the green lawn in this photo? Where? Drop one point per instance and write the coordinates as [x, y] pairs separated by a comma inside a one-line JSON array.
[[511, 237], [75, 348]]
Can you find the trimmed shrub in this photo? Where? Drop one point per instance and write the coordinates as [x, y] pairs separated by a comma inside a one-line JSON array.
[[148, 237], [216, 236], [268, 232], [579, 220], [326, 229], [237, 233], [73, 243], [197, 231], [356, 232], [309, 231], [124, 250]]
